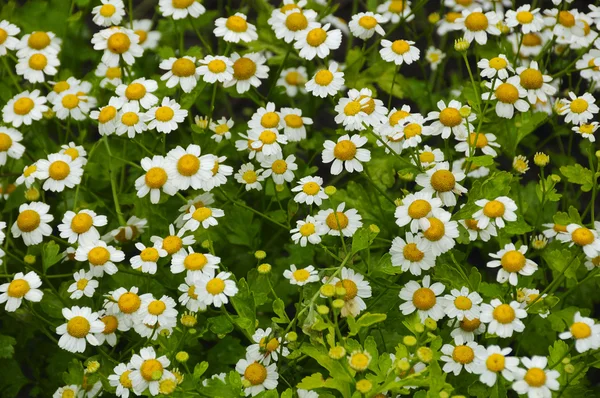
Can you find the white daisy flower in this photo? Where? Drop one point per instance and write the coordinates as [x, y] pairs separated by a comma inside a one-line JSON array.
[[10, 144], [498, 67], [24, 108], [215, 68], [194, 263], [449, 120], [257, 376], [133, 228], [423, 299], [415, 210], [107, 117], [157, 311], [585, 333], [294, 125], [124, 304], [357, 289], [581, 236], [365, 24], [46, 42], [509, 95], [216, 290], [220, 172], [529, 20], [339, 221], [118, 43], [249, 177], [442, 182], [180, 71], [66, 391], [346, 153], [293, 80], [148, 257], [587, 130], [186, 168], [513, 262], [36, 66], [111, 75], [248, 70], [130, 120], [111, 324], [268, 141], [565, 24], [100, 256], [482, 141], [466, 330], [32, 223], [307, 231], [148, 38], [326, 82], [301, 276], [166, 117], [81, 226], [495, 211], [120, 380], [494, 360], [111, 12], [503, 319], [475, 232], [235, 29], [289, 24], [318, 41], [189, 296], [155, 180], [202, 216], [221, 129], [8, 32], [281, 170], [477, 25], [80, 327], [537, 84], [267, 347], [578, 110], [71, 103], [138, 91], [536, 381], [459, 357], [395, 10], [310, 190], [462, 304], [174, 242], [148, 370], [434, 56], [180, 9], [411, 254], [399, 51], [265, 118], [84, 285], [22, 287]]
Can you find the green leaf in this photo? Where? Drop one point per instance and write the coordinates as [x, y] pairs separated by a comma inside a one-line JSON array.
[[243, 302], [561, 260], [335, 368], [50, 255], [279, 309], [363, 238], [7, 344], [220, 325], [199, 370], [577, 174], [366, 320], [12, 379], [232, 387], [484, 160], [52, 305]]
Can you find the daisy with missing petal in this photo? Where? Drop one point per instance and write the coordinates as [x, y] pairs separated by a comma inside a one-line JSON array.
[[215, 68], [399, 51], [118, 43], [466, 330], [101, 257], [495, 211], [529, 20], [186, 168], [307, 231], [477, 25], [24, 108], [495, 67], [503, 319], [8, 39], [318, 41], [10, 144], [267, 347], [509, 95], [148, 38], [202, 216], [281, 170], [581, 236], [449, 120], [462, 304], [412, 255], [107, 117], [357, 289], [536, 381], [138, 91], [235, 29], [33, 223], [111, 75], [166, 117], [111, 12], [459, 357], [194, 263], [22, 287], [578, 110], [180, 71], [180, 9], [293, 80], [513, 262], [339, 221], [301, 276], [585, 333], [131, 120], [416, 209], [148, 257], [310, 190], [326, 82], [442, 182], [537, 84], [36, 66], [482, 141], [346, 153], [268, 141], [220, 172], [250, 178], [221, 129], [81, 226], [587, 130], [120, 380], [475, 232], [189, 295], [84, 285], [80, 327], [216, 290], [248, 70], [257, 376], [294, 125], [148, 370], [493, 361], [365, 24], [124, 304], [155, 180], [434, 56], [423, 299]]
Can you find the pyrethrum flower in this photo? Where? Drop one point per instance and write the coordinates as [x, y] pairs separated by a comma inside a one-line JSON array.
[[346, 153], [503, 319], [250, 178], [365, 24], [180, 9], [213, 69], [318, 41], [186, 168], [166, 117], [494, 360], [266, 347], [138, 91], [415, 210], [310, 190], [80, 327], [326, 82], [124, 304], [111, 12], [529, 20], [476, 25], [399, 51], [216, 290], [10, 144], [32, 223], [307, 231], [357, 289], [536, 83], [148, 370], [301, 276], [474, 141], [412, 254], [36, 66], [495, 67], [8, 31], [118, 43], [131, 120], [155, 180], [581, 236], [585, 333], [194, 263], [201, 216], [495, 211], [449, 120], [22, 287], [293, 80], [442, 182], [84, 285], [281, 170], [339, 221], [81, 226], [235, 29], [148, 257], [221, 129], [257, 376], [423, 299], [578, 110], [269, 141], [102, 258], [459, 357], [513, 263], [24, 108], [535, 380], [180, 71], [509, 94], [248, 70]]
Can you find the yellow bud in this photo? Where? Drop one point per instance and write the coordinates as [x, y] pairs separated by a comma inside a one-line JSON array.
[[374, 228], [569, 368], [338, 303], [409, 341], [364, 386], [541, 159], [157, 374], [264, 268], [29, 259], [201, 122], [406, 175], [205, 244], [330, 190], [49, 114], [279, 187], [465, 111], [260, 254], [402, 365], [555, 178], [92, 367], [291, 336], [323, 309], [461, 45], [433, 18], [32, 194], [430, 324], [425, 354], [328, 290], [340, 291], [189, 319], [182, 356], [337, 352], [419, 328]]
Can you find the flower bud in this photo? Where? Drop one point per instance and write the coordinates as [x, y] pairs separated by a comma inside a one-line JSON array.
[[430, 324], [541, 159], [340, 291], [32, 194], [205, 244], [555, 178], [461, 45], [92, 367], [364, 386], [419, 328], [182, 356], [402, 365], [264, 268], [433, 18], [337, 352], [157, 375], [328, 290], [409, 341], [338, 303], [29, 259], [330, 190], [291, 336], [465, 111], [260, 254], [279, 187], [323, 309], [201, 121], [374, 228], [569, 368], [425, 354]]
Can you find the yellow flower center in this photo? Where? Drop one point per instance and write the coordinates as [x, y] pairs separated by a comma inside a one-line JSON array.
[[188, 165], [124, 379], [397, 116], [38, 61], [72, 152], [61, 86], [156, 177], [419, 209], [396, 6], [156, 307], [221, 129], [118, 43], [28, 220], [5, 142], [195, 261], [582, 236], [531, 79], [183, 67], [135, 91], [68, 393], [217, 66], [287, 7], [82, 283], [531, 40], [412, 130], [78, 327], [38, 40], [307, 229], [110, 324], [478, 140], [495, 362], [269, 346], [504, 314], [337, 220], [269, 120], [580, 330], [352, 108], [149, 368], [476, 21], [469, 325], [435, 231], [443, 180], [236, 24], [316, 37], [202, 214], [513, 261], [566, 19], [294, 78], [301, 275], [535, 377], [81, 223], [463, 354], [250, 177], [18, 288], [172, 244], [323, 77], [268, 137], [344, 150], [129, 303], [350, 287], [296, 21], [452, 16], [3, 36], [311, 188], [579, 105], [450, 117], [143, 35], [59, 170], [359, 361], [149, 254], [463, 303], [524, 17], [494, 209], [256, 373], [164, 114], [424, 298], [412, 253], [107, 10], [586, 129], [215, 286], [367, 22], [507, 93], [98, 256], [23, 106], [279, 166], [369, 106], [130, 119], [70, 101], [113, 73], [243, 68], [400, 47], [293, 121], [30, 170], [192, 292], [498, 63]]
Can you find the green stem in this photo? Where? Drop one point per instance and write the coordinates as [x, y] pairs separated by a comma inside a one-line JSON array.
[[113, 186]]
